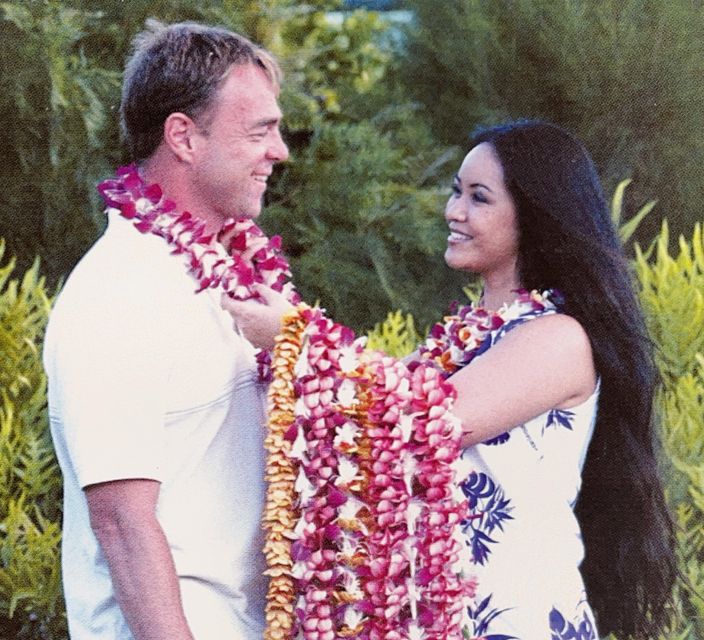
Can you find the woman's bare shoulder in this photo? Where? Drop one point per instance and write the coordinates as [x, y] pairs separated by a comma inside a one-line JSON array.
[[556, 332]]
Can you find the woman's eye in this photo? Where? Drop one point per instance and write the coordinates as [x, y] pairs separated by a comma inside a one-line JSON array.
[[479, 197], [456, 191]]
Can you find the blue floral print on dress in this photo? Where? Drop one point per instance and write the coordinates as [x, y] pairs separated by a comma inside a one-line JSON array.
[[561, 629], [500, 439], [559, 417], [488, 510], [482, 616]]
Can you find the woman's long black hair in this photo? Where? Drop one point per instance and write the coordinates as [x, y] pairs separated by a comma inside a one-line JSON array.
[[567, 242]]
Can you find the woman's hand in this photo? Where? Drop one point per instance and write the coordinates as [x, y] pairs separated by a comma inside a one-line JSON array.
[[258, 320]]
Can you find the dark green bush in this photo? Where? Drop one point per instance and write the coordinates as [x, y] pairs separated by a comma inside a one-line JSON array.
[[624, 75]]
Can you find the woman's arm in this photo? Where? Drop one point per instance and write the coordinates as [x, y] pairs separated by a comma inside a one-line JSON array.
[[543, 364]]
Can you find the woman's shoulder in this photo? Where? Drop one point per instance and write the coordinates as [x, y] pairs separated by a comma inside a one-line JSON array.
[[541, 365], [554, 337], [557, 341], [567, 331]]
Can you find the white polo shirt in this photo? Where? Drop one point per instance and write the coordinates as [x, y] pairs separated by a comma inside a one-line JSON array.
[[148, 379]]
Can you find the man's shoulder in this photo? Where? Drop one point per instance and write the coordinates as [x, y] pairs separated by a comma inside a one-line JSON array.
[[124, 261], [125, 273]]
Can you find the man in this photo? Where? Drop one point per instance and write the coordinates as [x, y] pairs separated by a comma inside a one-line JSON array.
[[155, 410]]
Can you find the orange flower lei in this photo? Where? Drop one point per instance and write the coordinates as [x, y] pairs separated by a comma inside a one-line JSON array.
[[280, 511]]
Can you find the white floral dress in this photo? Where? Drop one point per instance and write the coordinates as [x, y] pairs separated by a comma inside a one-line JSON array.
[[524, 539]]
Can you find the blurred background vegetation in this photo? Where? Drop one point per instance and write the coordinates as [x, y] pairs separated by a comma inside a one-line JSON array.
[[378, 107]]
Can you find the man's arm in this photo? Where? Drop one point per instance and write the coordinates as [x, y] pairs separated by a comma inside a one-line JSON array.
[[122, 515]]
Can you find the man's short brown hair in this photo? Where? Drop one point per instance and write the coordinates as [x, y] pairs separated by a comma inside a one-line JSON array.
[[179, 68]]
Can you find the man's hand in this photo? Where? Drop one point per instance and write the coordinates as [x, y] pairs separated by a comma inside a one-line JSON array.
[[122, 515], [259, 320]]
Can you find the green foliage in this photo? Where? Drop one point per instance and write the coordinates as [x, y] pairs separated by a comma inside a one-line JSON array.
[[363, 237], [31, 604], [332, 68], [58, 104], [619, 73], [627, 229], [673, 298], [356, 202], [396, 335]]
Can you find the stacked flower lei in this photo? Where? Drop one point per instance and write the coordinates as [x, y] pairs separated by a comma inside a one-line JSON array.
[[281, 512], [375, 549]]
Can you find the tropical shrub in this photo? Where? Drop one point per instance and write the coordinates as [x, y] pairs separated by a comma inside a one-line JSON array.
[[672, 294], [358, 204], [396, 335], [55, 105], [31, 604]]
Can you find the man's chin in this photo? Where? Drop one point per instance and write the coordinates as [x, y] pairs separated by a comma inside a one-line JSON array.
[[254, 210], [248, 214]]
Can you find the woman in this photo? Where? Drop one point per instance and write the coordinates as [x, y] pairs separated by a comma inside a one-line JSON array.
[[544, 399]]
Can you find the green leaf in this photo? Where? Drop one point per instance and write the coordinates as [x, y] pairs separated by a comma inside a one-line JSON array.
[[617, 201]]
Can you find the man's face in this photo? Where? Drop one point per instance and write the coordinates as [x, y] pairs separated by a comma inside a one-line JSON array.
[[237, 145]]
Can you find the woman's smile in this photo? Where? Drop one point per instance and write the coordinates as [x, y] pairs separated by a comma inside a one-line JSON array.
[[457, 237]]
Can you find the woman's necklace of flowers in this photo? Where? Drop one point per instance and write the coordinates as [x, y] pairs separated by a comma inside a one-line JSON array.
[[361, 471], [463, 335]]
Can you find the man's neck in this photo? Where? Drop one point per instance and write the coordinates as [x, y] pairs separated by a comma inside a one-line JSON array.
[[170, 176]]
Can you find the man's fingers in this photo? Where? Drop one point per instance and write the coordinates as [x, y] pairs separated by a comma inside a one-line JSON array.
[[267, 293], [228, 303], [236, 307]]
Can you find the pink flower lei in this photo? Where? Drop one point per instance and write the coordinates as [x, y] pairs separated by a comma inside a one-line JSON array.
[[208, 261]]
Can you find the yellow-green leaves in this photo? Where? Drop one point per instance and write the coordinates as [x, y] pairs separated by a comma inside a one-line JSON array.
[[672, 295], [628, 228], [396, 335], [30, 481]]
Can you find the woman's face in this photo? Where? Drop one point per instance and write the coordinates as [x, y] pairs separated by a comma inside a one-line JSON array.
[[482, 218]]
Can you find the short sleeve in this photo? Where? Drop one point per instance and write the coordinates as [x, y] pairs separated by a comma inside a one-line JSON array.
[[108, 363]]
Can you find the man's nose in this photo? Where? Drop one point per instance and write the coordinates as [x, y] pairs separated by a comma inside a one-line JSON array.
[[278, 150]]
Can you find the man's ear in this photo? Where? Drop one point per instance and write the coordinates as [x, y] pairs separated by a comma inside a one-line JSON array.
[[179, 132]]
